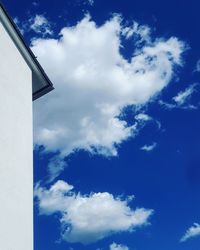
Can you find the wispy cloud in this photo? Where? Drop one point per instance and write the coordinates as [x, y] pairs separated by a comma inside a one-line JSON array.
[[94, 83], [91, 2], [182, 99], [35, 3], [141, 32], [115, 246], [38, 24], [21, 28], [55, 166], [89, 218], [183, 96], [197, 66], [149, 147], [192, 232], [145, 118]]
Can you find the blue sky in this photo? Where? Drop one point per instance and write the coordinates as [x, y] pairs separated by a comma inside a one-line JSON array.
[[123, 121]]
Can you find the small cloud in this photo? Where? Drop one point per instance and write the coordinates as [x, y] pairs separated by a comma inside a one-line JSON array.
[[184, 96], [40, 25], [167, 105], [91, 2], [84, 2], [141, 32], [192, 232], [16, 20], [55, 166], [198, 66], [182, 99], [115, 246], [19, 26], [143, 117], [149, 147], [35, 3], [89, 218]]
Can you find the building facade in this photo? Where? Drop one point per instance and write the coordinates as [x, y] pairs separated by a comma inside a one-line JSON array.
[[21, 80]]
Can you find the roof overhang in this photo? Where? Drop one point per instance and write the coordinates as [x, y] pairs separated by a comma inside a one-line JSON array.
[[41, 84]]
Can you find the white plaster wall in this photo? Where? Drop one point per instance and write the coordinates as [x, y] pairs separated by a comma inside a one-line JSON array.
[[16, 167]]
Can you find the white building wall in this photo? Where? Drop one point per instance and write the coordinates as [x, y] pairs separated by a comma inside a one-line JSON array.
[[16, 167]]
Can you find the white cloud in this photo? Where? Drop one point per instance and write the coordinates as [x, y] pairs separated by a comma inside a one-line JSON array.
[[193, 231], [198, 66], [183, 96], [35, 3], [149, 147], [142, 32], [89, 218], [85, 2], [40, 25], [94, 83], [115, 246], [143, 117], [182, 99], [19, 26], [91, 2], [55, 166]]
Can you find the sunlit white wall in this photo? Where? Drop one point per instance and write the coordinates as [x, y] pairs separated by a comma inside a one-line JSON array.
[[16, 177]]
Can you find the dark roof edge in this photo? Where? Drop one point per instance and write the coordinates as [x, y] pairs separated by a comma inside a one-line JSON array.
[[49, 86], [42, 92]]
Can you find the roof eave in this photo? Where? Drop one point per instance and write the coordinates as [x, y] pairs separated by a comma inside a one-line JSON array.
[[37, 69]]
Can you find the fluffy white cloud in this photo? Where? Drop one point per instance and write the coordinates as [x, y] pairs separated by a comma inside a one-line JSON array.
[[94, 83], [115, 246], [149, 147], [89, 218], [193, 231], [181, 100]]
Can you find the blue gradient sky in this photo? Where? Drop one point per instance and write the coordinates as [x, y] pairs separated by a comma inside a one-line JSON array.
[[166, 179]]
